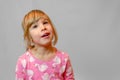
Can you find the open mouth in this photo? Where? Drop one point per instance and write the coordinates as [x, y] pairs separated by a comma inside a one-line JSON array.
[[45, 35]]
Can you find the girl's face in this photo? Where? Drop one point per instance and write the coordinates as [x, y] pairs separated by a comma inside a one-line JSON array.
[[41, 32]]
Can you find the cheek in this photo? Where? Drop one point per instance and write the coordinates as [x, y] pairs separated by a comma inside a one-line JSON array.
[[36, 39], [34, 36], [51, 30], [52, 34]]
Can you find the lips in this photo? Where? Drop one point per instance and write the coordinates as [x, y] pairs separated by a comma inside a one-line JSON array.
[[45, 35]]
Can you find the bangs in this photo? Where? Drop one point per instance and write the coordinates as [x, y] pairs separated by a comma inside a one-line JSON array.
[[33, 17]]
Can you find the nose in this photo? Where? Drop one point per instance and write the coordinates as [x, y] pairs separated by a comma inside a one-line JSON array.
[[43, 27]]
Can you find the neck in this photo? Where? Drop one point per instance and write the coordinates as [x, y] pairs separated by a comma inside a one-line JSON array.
[[43, 50]]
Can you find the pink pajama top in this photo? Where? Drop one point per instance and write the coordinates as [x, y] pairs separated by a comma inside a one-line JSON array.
[[29, 67]]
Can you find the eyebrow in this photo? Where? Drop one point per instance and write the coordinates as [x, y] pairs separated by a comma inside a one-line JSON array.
[[38, 20], [44, 19]]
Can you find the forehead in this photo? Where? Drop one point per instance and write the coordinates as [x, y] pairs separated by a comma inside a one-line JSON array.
[[32, 18], [40, 20], [43, 19]]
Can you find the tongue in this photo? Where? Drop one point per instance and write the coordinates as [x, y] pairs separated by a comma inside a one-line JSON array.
[[45, 35]]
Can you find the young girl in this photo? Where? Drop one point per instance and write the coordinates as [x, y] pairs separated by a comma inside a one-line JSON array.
[[42, 61]]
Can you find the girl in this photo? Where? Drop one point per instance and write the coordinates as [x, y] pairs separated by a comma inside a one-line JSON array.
[[42, 61]]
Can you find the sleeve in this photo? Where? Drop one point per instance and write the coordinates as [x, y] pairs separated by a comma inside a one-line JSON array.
[[20, 69], [68, 74]]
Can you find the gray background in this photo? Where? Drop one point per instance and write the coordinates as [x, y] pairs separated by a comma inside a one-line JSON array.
[[89, 30]]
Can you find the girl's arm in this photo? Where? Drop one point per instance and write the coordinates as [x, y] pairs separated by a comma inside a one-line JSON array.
[[69, 75], [20, 69]]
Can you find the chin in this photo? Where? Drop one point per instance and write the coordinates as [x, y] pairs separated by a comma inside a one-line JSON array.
[[47, 44]]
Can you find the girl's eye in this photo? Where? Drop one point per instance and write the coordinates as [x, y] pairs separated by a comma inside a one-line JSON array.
[[35, 26], [45, 22]]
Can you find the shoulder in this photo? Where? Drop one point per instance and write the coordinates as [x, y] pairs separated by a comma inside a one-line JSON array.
[[62, 54], [23, 57]]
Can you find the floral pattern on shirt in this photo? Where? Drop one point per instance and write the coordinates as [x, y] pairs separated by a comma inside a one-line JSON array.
[[30, 68]]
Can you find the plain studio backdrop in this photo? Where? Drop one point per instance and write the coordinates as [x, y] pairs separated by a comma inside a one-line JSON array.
[[88, 30]]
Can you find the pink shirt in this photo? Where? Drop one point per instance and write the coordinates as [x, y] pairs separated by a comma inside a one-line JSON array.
[[30, 68]]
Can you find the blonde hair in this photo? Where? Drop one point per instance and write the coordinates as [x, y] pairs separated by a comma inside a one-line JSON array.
[[30, 18]]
